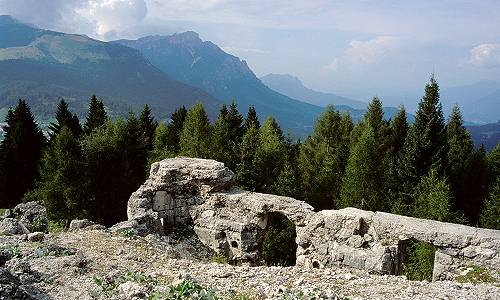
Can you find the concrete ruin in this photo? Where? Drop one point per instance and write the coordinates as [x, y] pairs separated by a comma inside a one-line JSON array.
[[197, 192]]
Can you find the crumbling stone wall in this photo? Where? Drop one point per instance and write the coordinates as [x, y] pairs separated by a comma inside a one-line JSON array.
[[197, 192]]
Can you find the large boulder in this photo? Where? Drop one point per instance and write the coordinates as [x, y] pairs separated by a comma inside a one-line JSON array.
[[32, 215], [174, 186], [10, 226]]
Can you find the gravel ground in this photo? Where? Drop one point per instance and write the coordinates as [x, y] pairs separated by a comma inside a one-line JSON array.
[[96, 264]]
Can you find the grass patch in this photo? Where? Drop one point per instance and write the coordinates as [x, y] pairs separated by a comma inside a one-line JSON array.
[[109, 287], [128, 233], [476, 274], [220, 259], [186, 290]]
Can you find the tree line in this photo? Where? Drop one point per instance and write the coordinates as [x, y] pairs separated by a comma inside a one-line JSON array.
[[428, 169]]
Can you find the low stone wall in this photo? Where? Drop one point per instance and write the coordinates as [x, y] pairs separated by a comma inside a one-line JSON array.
[[197, 192], [373, 241]]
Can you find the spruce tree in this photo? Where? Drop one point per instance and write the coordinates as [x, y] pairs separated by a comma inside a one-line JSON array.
[[147, 125], [174, 130], [96, 116], [62, 182], [270, 155], [467, 168], [425, 147], [323, 158], [426, 143], [362, 185], [246, 176], [251, 119], [20, 153], [64, 118], [195, 139], [161, 145]]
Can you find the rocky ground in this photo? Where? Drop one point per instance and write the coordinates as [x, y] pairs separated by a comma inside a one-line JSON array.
[[94, 263]]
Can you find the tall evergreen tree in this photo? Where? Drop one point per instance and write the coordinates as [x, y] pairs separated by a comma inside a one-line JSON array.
[[195, 136], [270, 155], [62, 182], [323, 158], [148, 125], [362, 185], [20, 153], [251, 119], [394, 177], [246, 176], [226, 136], [174, 130], [467, 168], [425, 147], [116, 161], [426, 143], [65, 118], [96, 116]]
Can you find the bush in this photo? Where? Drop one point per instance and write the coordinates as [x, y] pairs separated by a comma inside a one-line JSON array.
[[278, 245]]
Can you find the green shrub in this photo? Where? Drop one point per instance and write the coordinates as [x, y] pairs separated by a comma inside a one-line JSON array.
[[278, 246], [56, 226], [129, 232], [184, 291], [418, 260]]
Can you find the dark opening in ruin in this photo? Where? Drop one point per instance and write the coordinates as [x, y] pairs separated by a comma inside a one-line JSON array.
[[278, 244], [234, 244], [416, 259], [315, 264]]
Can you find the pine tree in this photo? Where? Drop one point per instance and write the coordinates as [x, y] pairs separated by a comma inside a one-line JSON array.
[[433, 198], [269, 156], [96, 117], [323, 158], [148, 127], [362, 185], [426, 143], [20, 153], [467, 168], [64, 118], [174, 130], [195, 136], [246, 175], [425, 147], [161, 145], [251, 119], [394, 177], [62, 182], [115, 167]]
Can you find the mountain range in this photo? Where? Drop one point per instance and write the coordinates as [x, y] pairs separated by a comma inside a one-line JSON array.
[[166, 72], [43, 66], [293, 87]]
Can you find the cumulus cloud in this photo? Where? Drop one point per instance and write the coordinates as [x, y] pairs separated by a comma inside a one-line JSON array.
[[362, 53], [485, 55]]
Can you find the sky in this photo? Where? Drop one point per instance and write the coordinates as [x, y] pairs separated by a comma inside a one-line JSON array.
[[353, 48]]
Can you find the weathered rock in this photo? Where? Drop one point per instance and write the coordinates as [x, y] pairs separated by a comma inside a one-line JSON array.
[[36, 236], [372, 241], [80, 224], [11, 288], [186, 191], [33, 215], [175, 185], [12, 226], [131, 289], [18, 265], [7, 214], [140, 225]]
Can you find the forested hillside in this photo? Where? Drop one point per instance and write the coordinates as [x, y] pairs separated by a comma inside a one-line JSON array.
[[429, 169]]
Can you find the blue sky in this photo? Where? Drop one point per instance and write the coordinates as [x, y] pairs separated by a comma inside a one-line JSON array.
[[355, 48]]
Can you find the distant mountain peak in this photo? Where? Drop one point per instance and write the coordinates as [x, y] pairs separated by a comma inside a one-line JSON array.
[[7, 19]]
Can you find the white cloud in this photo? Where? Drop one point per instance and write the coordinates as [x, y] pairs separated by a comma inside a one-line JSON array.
[[362, 53], [485, 55]]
